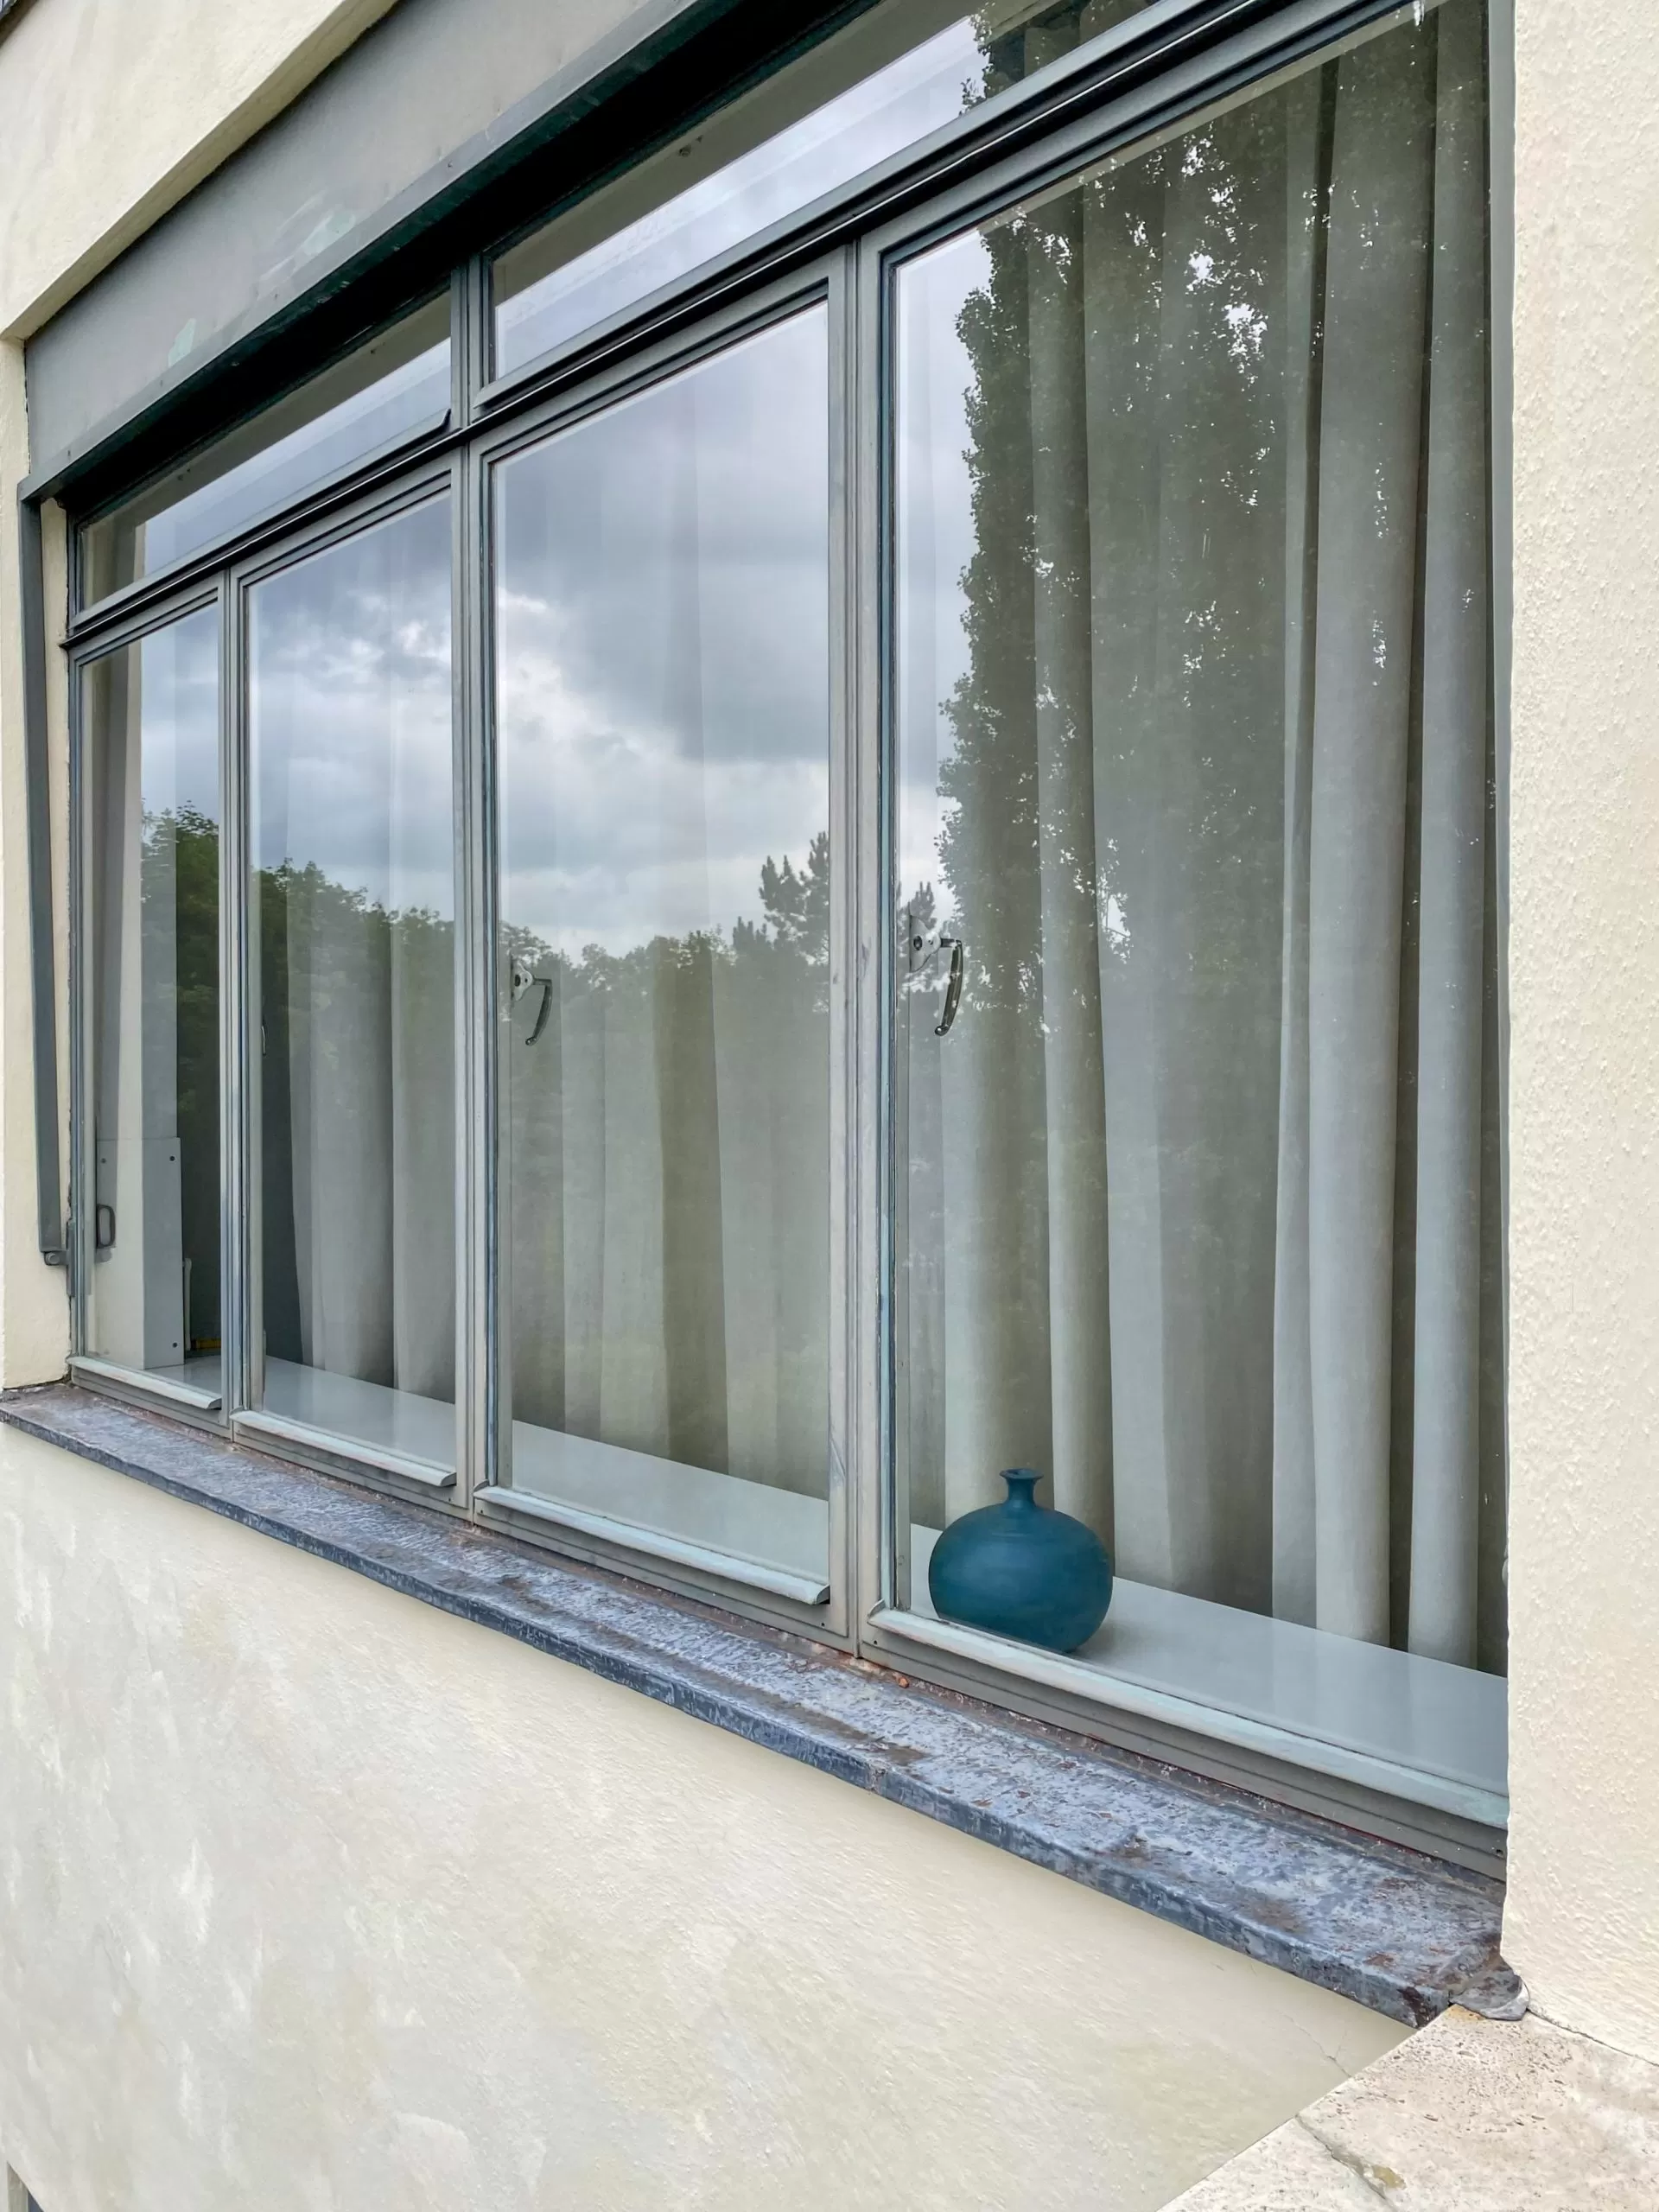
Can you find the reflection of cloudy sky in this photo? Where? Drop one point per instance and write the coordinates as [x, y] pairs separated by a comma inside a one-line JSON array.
[[349, 666], [662, 653], [179, 710], [935, 533]]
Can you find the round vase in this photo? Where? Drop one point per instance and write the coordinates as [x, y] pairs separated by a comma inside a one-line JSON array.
[[1019, 1569]]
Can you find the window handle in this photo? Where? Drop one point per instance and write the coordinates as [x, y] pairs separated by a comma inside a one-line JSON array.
[[953, 988], [102, 1239], [522, 981]]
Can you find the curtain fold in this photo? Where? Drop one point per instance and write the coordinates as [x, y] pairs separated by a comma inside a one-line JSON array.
[[1215, 1133]]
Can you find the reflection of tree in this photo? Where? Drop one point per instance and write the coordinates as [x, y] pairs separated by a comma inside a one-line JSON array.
[[665, 1189], [668, 1189], [356, 1014], [180, 878], [1110, 850]]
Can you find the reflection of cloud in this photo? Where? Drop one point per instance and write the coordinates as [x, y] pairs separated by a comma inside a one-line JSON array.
[[661, 657], [178, 698], [349, 654]]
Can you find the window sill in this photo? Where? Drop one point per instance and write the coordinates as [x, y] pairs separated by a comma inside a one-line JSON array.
[[1401, 1934]]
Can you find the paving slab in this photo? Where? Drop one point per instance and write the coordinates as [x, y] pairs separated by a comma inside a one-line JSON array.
[[1467, 2115]]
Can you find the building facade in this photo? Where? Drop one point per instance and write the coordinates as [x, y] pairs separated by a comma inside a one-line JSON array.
[[750, 768]]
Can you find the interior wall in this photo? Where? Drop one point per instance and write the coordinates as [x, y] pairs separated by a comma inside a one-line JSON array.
[[1582, 1926], [336, 1901]]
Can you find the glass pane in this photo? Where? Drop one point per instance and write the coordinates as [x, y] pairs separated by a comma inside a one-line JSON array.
[[1197, 1196], [375, 398], [900, 72], [151, 741], [353, 939], [662, 710]]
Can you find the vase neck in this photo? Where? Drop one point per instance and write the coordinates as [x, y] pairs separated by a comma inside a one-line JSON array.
[[1022, 1489]]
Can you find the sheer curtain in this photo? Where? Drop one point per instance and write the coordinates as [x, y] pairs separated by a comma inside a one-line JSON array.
[[1200, 1195], [354, 830]]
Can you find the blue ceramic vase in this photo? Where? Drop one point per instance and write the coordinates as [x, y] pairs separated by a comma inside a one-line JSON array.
[[1021, 1570]]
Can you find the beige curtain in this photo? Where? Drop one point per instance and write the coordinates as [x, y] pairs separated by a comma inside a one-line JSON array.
[[1201, 1207]]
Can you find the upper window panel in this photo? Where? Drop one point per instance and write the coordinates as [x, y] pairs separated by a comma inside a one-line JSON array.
[[899, 73], [375, 398]]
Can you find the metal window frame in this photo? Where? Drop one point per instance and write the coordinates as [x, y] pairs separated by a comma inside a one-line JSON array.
[[250, 1420], [85, 1365], [820, 1607], [1146, 74]]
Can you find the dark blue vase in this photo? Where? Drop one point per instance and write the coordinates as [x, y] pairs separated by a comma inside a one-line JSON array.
[[1019, 1570]]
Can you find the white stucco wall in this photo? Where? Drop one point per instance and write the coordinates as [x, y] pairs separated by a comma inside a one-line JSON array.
[[1583, 1920], [334, 1901], [110, 113]]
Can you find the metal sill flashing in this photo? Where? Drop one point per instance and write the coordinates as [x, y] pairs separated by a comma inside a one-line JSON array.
[[380, 1458], [1404, 1935], [658, 1544], [139, 1378]]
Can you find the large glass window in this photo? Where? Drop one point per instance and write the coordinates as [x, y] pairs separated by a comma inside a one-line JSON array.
[[150, 754], [352, 932], [663, 720], [1198, 1166], [939, 919]]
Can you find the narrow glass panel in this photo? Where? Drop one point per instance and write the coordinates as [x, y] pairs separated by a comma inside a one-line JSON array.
[[1198, 1195], [149, 719], [900, 72], [374, 399], [662, 710], [354, 941]]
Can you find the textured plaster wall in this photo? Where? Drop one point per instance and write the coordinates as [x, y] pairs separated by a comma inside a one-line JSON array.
[[34, 1309], [332, 1901], [1583, 1920], [109, 113]]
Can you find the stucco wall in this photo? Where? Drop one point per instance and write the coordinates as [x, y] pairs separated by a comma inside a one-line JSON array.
[[1583, 1920], [34, 1308], [334, 1901], [110, 113]]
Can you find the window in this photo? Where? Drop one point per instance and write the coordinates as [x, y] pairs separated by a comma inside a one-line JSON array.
[[1198, 1190], [663, 733], [150, 1004], [890, 879], [352, 936]]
